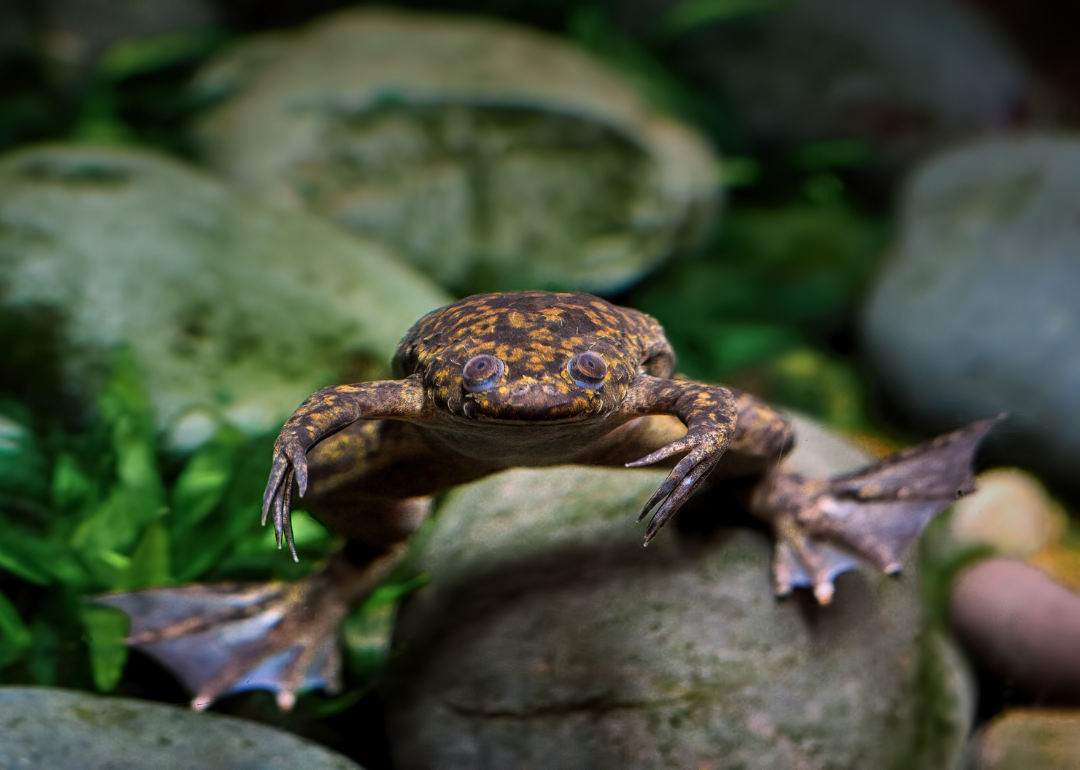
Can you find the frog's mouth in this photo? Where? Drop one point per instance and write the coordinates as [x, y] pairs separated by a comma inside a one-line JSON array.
[[530, 403]]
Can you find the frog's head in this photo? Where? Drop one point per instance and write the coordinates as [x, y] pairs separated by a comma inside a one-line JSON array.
[[525, 356]]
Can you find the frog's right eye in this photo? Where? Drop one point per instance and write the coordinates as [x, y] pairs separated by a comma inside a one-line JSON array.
[[480, 373]]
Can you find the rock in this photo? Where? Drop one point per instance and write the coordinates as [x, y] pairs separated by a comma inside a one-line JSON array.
[[1060, 560], [1021, 625], [233, 312], [1009, 511], [977, 311], [548, 637], [1023, 739], [492, 156], [906, 77], [65, 730]]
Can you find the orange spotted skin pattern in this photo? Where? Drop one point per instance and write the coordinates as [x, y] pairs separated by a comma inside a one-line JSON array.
[[535, 334], [503, 380]]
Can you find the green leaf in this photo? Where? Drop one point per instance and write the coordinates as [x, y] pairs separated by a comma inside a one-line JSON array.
[[202, 484], [392, 593], [70, 484], [117, 523], [205, 548], [109, 529], [15, 637], [23, 468], [106, 629], [123, 401], [137, 56], [692, 14], [37, 560], [149, 564]]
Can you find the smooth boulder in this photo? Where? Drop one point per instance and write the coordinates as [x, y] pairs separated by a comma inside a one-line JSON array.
[[233, 312], [41, 727], [489, 155], [548, 637], [976, 312]]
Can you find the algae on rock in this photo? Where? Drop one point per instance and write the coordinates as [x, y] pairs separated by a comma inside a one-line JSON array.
[[491, 156], [233, 312]]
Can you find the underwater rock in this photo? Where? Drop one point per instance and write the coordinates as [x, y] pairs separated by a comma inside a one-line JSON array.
[[42, 727], [491, 156], [976, 313], [548, 637], [233, 312]]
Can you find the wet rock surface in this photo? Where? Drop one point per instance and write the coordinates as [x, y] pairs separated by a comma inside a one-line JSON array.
[[1022, 625], [491, 156], [66, 730], [104, 250], [976, 312], [1010, 512], [549, 638]]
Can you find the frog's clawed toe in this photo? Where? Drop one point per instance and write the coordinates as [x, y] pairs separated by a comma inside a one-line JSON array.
[[220, 640], [683, 481], [277, 500], [875, 514]]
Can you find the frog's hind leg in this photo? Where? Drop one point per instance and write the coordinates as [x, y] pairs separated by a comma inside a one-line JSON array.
[[874, 514], [281, 636]]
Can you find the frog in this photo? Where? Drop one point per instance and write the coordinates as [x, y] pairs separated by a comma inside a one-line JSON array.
[[522, 379]]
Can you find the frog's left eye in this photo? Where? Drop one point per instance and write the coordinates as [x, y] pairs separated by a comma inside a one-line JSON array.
[[588, 370], [480, 373]]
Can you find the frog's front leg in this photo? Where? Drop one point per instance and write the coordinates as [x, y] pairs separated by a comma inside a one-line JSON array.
[[283, 636], [323, 414], [709, 414]]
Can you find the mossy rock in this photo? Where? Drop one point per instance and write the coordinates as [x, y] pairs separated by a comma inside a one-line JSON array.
[[491, 156], [548, 637], [233, 312]]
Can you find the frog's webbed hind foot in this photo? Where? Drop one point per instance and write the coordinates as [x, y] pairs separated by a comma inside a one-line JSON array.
[[874, 514], [219, 640]]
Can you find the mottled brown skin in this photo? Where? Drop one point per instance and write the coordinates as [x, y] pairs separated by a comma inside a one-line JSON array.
[[368, 457], [373, 445]]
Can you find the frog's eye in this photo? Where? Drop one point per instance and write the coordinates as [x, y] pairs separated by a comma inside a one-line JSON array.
[[480, 373], [588, 370]]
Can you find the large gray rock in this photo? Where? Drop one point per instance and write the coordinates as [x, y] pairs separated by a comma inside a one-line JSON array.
[[234, 312], [904, 76], [548, 637], [63, 730], [491, 156], [978, 310]]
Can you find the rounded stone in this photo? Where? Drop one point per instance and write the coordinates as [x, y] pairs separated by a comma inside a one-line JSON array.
[[548, 637], [491, 156], [65, 730], [903, 78], [1009, 511], [209, 291], [1020, 739], [977, 313]]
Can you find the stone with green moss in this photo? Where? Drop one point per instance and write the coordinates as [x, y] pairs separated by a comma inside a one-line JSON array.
[[491, 156], [41, 727], [548, 637], [234, 312]]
